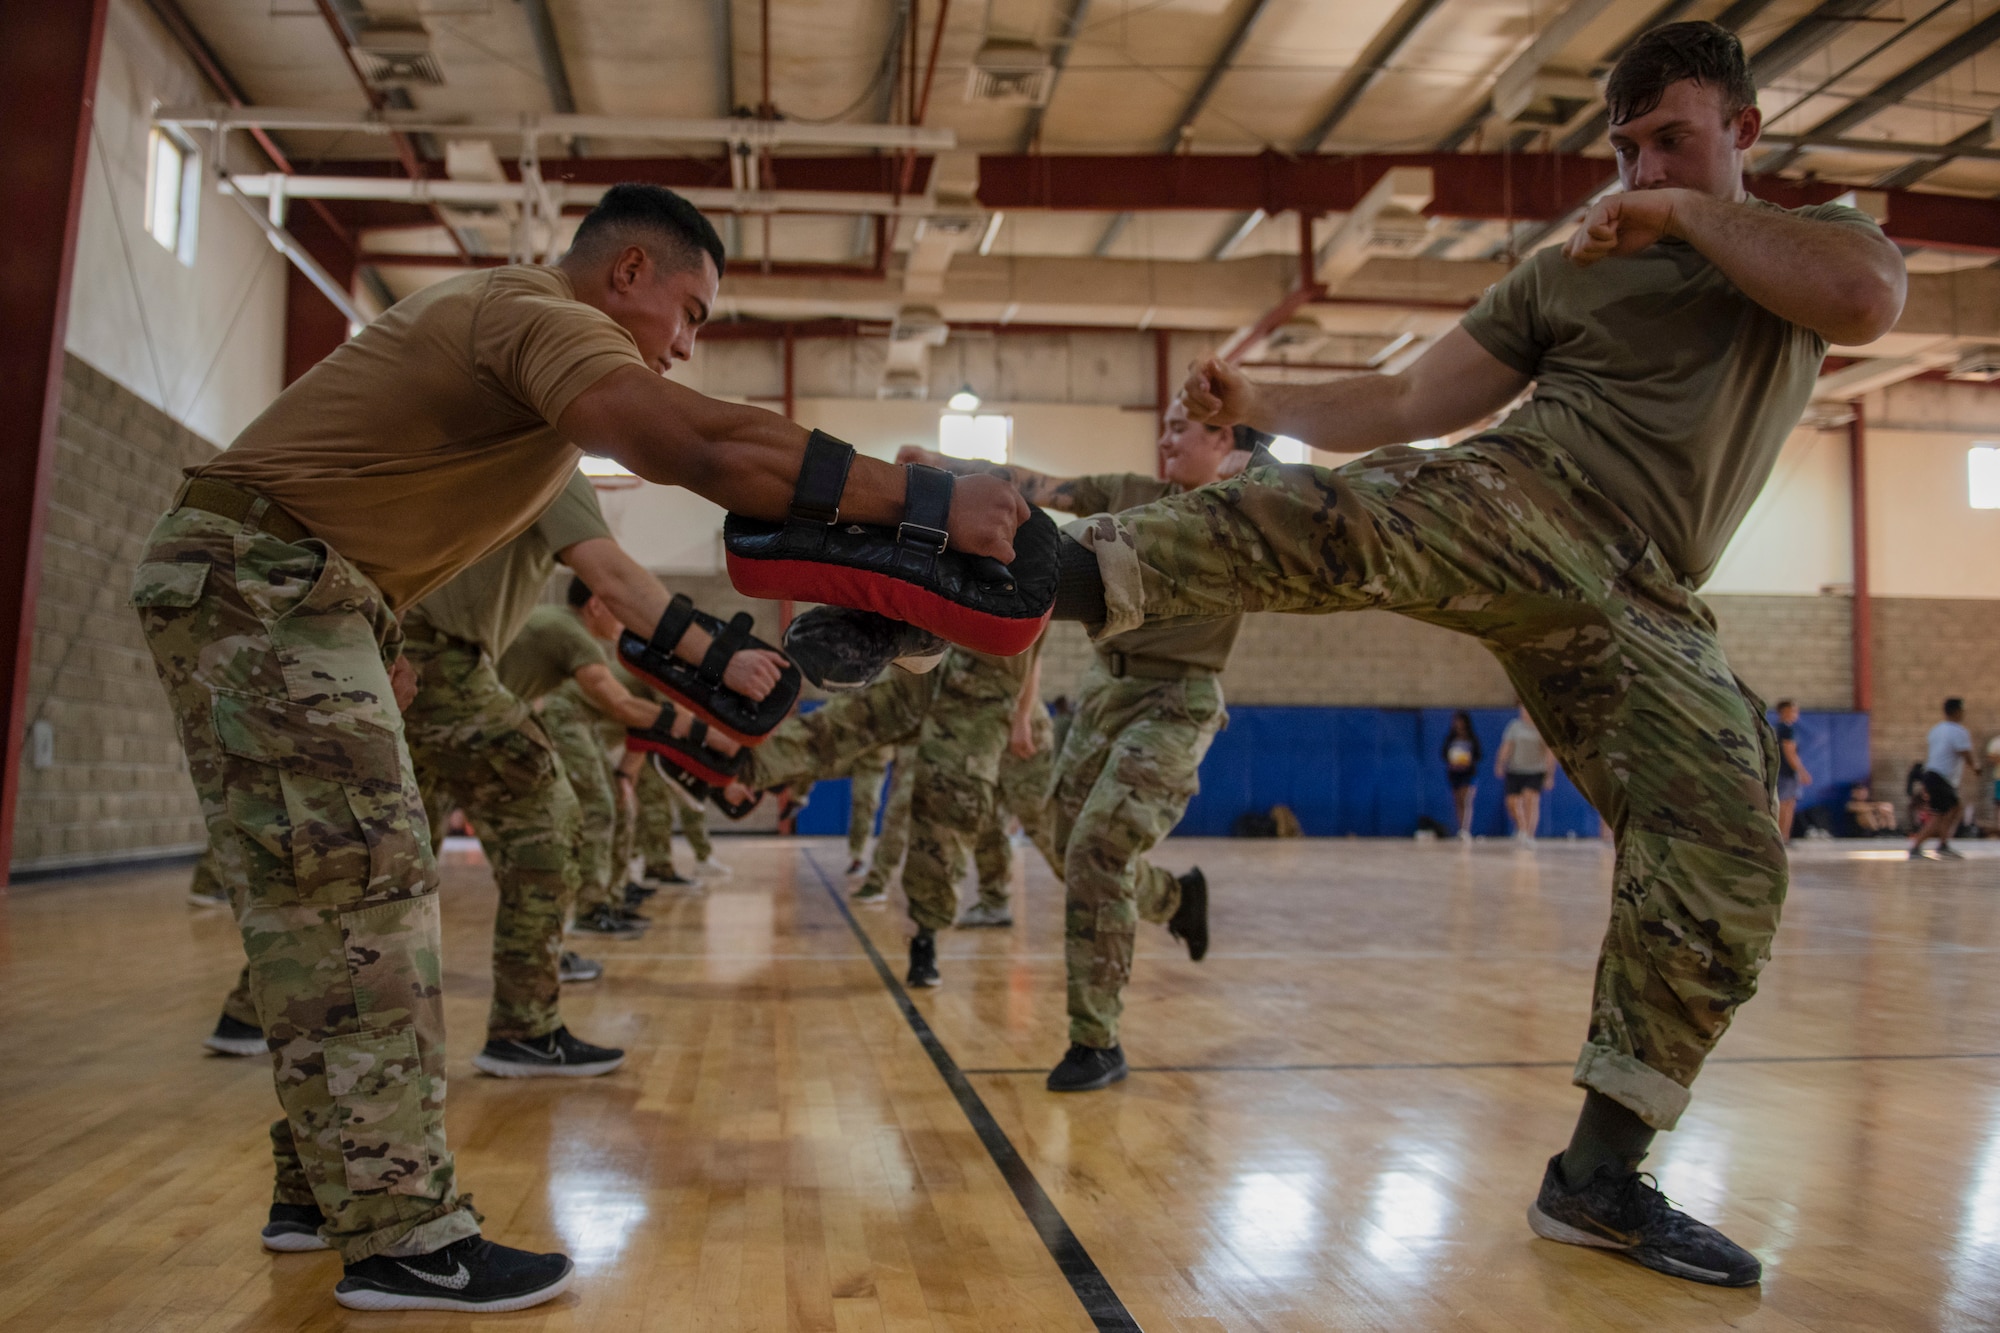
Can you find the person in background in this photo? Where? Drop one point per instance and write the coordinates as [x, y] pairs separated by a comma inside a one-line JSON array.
[[1523, 763], [1792, 775], [1871, 817], [1461, 769], [1993, 767], [1950, 751]]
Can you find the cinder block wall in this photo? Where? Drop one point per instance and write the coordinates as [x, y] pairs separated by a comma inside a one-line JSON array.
[[1926, 650], [118, 788]]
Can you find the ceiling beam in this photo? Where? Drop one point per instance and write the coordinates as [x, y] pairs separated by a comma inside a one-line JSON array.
[[1965, 145], [1182, 133], [1893, 90], [1515, 82], [755, 134], [1072, 27], [555, 73]]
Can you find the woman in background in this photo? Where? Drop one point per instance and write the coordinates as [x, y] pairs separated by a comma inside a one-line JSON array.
[[1461, 768]]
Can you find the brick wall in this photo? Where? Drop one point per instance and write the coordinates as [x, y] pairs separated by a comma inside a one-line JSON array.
[[118, 787], [1926, 650]]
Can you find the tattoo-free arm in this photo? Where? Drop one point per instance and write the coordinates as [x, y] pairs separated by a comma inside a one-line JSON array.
[[1035, 487], [747, 460], [1457, 383], [614, 700]]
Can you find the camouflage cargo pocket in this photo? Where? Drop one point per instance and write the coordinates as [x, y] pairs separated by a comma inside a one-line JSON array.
[[524, 759], [376, 1079], [169, 584]]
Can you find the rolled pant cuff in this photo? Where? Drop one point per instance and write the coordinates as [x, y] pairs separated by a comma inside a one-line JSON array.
[[1118, 567], [431, 1232], [1645, 1091]]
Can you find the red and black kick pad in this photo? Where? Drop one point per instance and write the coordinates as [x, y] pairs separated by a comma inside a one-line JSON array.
[[688, 763], [699, 687], [906, 572]]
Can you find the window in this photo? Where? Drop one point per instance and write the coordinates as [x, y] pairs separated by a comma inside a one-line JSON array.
[[1982, 469], [1288, 450], [986, 436], [173, 187]]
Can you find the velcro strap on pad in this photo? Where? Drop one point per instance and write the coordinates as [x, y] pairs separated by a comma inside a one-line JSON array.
[[822, 479], [673, 626], [735, 637]]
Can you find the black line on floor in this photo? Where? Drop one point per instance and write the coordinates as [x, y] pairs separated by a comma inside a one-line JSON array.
[[1362, 1067], [1092, 1288]]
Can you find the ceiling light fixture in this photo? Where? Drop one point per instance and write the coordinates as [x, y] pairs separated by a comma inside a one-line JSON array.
[[965, 400]]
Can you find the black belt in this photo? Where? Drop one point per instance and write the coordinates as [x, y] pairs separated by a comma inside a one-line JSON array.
[[240, 503], [1121, 665]]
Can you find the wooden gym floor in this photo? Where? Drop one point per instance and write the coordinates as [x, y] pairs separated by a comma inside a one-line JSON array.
[[1335, 1122]]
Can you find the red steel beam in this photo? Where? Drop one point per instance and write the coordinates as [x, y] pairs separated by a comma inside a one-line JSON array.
[[48, 83], [1864, 609], [1524, 187], [313, 326]]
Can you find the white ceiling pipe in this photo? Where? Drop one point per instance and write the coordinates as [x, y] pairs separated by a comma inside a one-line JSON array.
[[734, 130], [455, 193]]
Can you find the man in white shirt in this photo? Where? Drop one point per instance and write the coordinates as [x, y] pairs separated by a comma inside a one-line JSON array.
[[1950, 750]]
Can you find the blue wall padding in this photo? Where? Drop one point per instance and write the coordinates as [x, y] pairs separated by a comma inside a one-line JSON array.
[[1371, 772]]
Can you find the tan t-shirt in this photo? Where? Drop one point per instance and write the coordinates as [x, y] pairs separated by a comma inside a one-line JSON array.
[[1198, 643], [489, 602], [551, 647], [429, 439], [1667, 384]]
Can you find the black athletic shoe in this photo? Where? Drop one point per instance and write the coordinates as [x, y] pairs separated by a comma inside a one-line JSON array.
[[631, 916], [923, 960], [1189, 923], [471, 1274], [1626, 1214], [1946, 852], [234, 1038], [574, 967], [294, 1228], [601, 920], [558, 1055], [668, 876], [1086, 1068]]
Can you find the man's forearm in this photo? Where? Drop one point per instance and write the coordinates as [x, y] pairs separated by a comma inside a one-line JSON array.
[[1841, 282]]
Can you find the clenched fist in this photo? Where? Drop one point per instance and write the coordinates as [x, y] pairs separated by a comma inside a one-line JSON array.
[[985, 512], [753, 673], [1217, 393], [1622, 224]]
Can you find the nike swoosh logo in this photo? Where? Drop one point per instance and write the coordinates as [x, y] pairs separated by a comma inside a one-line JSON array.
[[449, 1281]]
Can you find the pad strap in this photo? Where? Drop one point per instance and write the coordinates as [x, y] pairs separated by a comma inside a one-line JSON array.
[[926, 510], [728, 642], [673, 624], [822, 479]]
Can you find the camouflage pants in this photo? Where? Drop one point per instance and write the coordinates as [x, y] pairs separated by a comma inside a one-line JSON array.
[[954, 779], [480, 748], [272, 655], [894, 840], [661, 808], [1614, 656], [1024, 794], [1128, 768], [864, 799], [573, 725]]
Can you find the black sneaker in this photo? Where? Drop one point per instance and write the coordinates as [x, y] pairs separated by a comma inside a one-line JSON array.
[[236, 1038], [601, 920], [667, 876], [558, 1055], [630, 903], [574, 967], [1086, 1068], [1946, 852], [1626, 1214], [471, 1274], [1189, 923], [923, 960], [294, 1228]]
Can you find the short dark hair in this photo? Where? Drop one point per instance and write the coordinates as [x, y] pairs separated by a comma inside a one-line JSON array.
[[654, 209], [1783, 704], [579, 591], [1707, 53], [1248, 438], [1954, 705]]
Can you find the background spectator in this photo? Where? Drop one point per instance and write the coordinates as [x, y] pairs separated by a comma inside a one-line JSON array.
[[1944, 766], [1524, 765], [1461, 768], [1792, 775]]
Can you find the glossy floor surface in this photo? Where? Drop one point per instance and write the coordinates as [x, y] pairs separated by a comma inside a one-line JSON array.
[[1334, 1122]]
